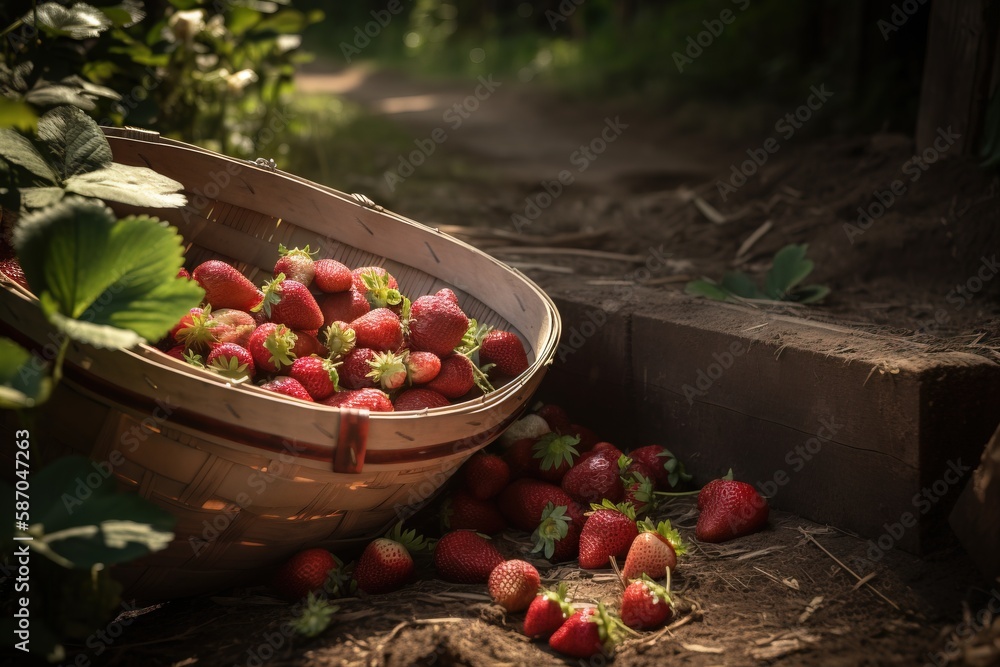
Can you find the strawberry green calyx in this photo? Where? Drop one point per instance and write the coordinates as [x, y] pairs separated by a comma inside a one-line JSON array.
[[404, 316], [378, 292], [473, 338], [198, 335], [665, 530], [554, 450], [646, 493], [610, 627], [296, 252], [339, 340], [413, 542], [624, 461], [561, 597], [194, 359], [280, 343], [388, 369], [340, 580], [229, 367], [662, 593], [625, 508], [554, 526], [317, 613], [272, 295], [676, 469]]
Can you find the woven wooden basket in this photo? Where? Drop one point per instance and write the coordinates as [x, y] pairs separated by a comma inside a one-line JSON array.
[[250, 475]]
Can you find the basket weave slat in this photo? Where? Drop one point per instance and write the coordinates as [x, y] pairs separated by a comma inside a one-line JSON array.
[[248, 474]]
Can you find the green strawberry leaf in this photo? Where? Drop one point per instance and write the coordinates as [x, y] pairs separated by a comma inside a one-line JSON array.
[[810, 293], [81, 21], [137, 186], [16, 148], [105, 283], [790, 267], [125, 14], [18, 114], [740, 284], [707, 289], [24, 380], [73, 141]]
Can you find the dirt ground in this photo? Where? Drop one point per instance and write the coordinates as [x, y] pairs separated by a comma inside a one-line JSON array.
[[776, 597]]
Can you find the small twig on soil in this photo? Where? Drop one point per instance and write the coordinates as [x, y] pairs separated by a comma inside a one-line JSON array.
[[861, 580], [751, 240], [709, 211]]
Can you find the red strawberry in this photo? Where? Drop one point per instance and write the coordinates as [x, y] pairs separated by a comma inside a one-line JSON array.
[[232, 361], [372, 400], [547, 612], [183, 273], [332, 276], [388, 370], [304, 573], [186, 323], [587, 633], [225, 287], [379, 329], [464, 557], [289, 302], [609, 531], [667, 471], [271, 346], [380, 288], [307, 344], [605, 449], [386, 563], [296, 264], [422, 367], [485, 475], [558, 534], [554, 416], [523, 501], [707, 493], [237, 325], [513, 584], [639, 491], [343, 306], [520, 458], [420, 399], [593, 479], [339, 338], [646, 605], [505, 350], [463, 511], [731, 509], [287, 386], [588, 439], [446, 293], [554, 455], [355, 368], [456, 378], [177, 352], [437, 325], [318, 375], [11, 269], [653, 551]]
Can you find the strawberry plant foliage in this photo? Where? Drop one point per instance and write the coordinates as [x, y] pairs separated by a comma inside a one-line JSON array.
[[106, 283], [23, 384], [789, 269], [71, 155]]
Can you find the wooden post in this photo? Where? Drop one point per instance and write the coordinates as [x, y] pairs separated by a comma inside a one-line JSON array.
[[962, 49]]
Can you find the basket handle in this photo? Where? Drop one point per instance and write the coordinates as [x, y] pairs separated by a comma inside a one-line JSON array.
[[352, 441]]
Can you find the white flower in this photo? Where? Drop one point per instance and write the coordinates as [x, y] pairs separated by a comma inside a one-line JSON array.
[[185, 26], [240, 80]]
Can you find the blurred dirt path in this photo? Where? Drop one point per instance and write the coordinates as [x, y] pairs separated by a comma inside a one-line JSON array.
[[525, 133]]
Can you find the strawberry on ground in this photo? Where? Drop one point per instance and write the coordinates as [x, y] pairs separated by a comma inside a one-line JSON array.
[[731, 509], [419, 399], [332, 276], [505, 350], [232, 361], [379, 329], [303, 573], [554, 455], [456, 378], [465, 557], [485, 475], [646, 605], [271, 346], [609, 531], [547, 612], [289, 302], [513, 584], [225, 287], [588, 439], [523, 501], [343, 306], [605, 449], [296, 264], [558, 534], [520, 458], [528, 426], [464, 512], [386, 563], [667, 471], [653, 551], [639, 491], [318, 375], [287, 386], [593, 479], [436, 324], [587, 633], [555, 416], [372, 400]]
